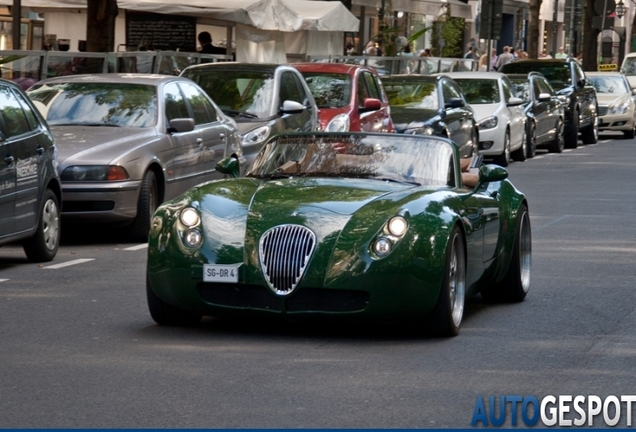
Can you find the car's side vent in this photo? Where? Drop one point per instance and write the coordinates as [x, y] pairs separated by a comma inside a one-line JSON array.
[[284, 252]]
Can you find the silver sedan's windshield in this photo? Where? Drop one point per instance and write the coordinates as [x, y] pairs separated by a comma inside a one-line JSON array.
[[413, 159], [609, 84], [96, 104]]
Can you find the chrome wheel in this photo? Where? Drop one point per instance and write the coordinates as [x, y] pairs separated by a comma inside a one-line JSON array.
[[50, 224], [525, 252], [457, 281]]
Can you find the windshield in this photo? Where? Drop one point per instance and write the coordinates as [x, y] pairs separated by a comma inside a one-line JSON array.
[[329, 90], [479, 91], [521, 87], [557, 73], [629, 66], [421, 94], [609, 84], [413, 159], [237, 92], [96, 104]]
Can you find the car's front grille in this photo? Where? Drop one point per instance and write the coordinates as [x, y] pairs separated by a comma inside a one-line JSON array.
[[602, 110], [284, 252], [303, 300]]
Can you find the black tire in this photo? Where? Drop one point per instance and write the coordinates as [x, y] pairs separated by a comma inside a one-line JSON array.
[[168, 315], [44, 243], [572, 132], [558, 144], [446, 317], [515, 285], [146, 206], [531, 141], [519, 155], [503, 159], [589, 135]]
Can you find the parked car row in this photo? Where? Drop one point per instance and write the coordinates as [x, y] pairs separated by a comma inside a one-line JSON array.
[[128, 142]]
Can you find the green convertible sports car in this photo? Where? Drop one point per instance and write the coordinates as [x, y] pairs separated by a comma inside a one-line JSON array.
[[336, 226]]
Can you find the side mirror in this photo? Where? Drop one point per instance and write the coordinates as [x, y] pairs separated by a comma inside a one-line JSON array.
[[292, 107], [634, 91], [455, 103], [544, 97], [371, 104], [514, 101], [491, 173], [229, 166], [181, 125]]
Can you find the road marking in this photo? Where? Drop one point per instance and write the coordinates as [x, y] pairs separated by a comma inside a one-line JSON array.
[[70, 263], [3, 280], [134, 248], [550, 223]]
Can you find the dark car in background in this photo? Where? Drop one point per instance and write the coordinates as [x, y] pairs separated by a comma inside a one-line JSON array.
[[30, 192], [569, 81], [127, 142], [544, 111], [350, 97], [264, 99], [432, 105]]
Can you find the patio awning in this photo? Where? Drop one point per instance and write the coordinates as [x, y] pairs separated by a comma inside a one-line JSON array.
[[458, 9]]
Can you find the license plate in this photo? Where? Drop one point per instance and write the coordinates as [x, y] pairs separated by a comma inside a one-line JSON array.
[[221, 273]]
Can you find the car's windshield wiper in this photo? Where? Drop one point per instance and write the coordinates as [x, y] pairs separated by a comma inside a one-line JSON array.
[[235, 113], [388, 179]]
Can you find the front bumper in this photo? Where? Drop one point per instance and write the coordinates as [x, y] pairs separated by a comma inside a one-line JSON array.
[[100, 202], [616, 122], [492, 138]]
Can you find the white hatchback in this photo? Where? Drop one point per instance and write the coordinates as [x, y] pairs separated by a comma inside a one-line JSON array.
[[499, 114]]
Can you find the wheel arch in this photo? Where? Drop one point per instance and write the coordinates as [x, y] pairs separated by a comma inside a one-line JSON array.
[[161, 180]]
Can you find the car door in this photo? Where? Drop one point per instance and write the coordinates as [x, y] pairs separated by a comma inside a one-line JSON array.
[[459, 120], [7, 181], [28, 160], [185, 159], [550, 114], [376, 120], [540, 112], [290, 89], [214, 134], [517, 115]]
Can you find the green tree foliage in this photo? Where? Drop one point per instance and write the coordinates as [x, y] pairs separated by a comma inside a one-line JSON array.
[[448, 36]]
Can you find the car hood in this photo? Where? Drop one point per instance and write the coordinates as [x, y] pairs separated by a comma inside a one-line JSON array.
[[612, 99], [343, 214], [483, 111], [97, 144], [411, 118]]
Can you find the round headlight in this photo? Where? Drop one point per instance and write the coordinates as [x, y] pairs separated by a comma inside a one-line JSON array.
[[397, 226], [189, 217], [382, 246], [192, 237]]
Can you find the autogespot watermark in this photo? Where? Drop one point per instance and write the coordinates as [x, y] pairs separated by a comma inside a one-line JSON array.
[[561, 410]]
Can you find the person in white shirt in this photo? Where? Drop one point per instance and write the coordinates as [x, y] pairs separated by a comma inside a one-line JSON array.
[[561, 54]]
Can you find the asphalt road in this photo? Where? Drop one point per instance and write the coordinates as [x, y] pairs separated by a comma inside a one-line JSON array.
[[79, 349]]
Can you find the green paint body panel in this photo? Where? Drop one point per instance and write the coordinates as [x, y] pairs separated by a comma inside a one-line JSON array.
[[346, 215]]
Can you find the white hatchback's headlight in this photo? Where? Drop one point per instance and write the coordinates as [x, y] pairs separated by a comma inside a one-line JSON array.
[[488, 123], [339, 123], [398, 226], [256, 136]]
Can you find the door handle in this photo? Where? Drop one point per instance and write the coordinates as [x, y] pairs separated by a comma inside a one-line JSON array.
[[9, 160], [40, 150], [200, 142], [222, 136]]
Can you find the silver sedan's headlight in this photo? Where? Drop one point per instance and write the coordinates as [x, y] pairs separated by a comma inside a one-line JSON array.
[[81, 173], [339, 123], [488, 123], [620, 109], [256, 136]]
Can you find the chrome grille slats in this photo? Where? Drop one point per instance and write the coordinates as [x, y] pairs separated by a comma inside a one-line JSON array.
[[284, 252]]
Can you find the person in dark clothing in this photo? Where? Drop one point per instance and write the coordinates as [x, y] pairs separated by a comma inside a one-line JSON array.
[[205, 40]]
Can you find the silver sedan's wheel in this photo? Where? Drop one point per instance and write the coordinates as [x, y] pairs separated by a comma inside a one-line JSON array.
[[446, 317]]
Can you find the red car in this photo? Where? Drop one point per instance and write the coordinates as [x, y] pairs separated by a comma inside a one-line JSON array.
[[350, 97]]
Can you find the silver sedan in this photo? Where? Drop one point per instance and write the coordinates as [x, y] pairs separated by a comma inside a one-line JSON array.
[[127, 142]]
